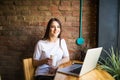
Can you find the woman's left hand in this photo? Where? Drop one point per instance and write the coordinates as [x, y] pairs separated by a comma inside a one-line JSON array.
[[53, 69]]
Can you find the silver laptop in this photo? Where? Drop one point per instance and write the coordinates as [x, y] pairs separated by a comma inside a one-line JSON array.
[[89, 63]]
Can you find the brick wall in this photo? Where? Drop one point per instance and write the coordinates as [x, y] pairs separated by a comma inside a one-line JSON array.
[[23, 23]]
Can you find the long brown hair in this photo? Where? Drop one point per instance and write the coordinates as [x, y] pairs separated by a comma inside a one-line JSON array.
[[46, 36]]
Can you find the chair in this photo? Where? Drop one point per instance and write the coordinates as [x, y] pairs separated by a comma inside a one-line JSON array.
[[28, 69]]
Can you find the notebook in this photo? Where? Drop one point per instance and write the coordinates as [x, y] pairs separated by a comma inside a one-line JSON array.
[[89, 63]]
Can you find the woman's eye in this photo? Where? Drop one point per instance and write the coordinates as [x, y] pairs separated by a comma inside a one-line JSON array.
[[52, 26]]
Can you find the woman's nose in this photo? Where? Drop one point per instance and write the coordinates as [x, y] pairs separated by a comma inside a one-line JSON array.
[[55, 28]]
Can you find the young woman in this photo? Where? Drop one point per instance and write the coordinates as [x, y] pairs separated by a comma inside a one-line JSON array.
[[50, 52]]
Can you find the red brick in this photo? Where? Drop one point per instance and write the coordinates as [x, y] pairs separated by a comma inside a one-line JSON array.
[[42, 8], [65, 3], [64, 8], [53, 8], [76, 13], [56, 2], [44, 13], [44, 2], [1, 27], [70, 18], [76, 3], [67, 24], [75, 8], [56, 13], [66, 13], [76, 24]]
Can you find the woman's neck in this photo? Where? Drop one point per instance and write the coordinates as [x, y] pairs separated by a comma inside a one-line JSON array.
[[53, 39]]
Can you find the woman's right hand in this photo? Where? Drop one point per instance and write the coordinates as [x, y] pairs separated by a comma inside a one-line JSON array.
[[48, 61]]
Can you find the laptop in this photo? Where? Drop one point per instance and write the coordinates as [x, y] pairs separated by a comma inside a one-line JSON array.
[[90, 62]]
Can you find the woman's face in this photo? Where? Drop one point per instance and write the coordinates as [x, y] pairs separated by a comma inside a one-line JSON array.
[[54, 29]]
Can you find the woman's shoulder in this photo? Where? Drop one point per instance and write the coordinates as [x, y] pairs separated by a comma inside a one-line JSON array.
[[41, 41], [63, 40]]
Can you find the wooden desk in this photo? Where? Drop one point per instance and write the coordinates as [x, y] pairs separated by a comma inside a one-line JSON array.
[[96, 74]]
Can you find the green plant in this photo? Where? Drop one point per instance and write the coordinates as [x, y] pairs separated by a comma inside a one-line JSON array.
[[111, 63]]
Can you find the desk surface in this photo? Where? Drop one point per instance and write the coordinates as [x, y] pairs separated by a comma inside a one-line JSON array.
[[96, 74]]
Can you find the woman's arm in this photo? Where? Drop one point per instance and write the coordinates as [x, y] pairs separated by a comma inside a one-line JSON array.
[[63, 60], [41, 62]]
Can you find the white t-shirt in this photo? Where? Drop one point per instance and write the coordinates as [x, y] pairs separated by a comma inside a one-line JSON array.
[[44, 49]]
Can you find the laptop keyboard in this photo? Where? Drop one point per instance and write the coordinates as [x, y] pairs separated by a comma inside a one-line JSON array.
[[76, 70]]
